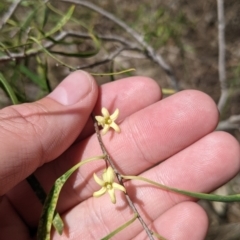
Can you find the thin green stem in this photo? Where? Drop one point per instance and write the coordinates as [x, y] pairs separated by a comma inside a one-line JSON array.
[[158, 236], [9, 89], [51, 55], [120, 228], [113, 73], [205, 196]]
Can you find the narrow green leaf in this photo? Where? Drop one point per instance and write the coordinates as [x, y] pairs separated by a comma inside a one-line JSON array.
[[33, 77], [16, 77], [62, 22], [55, 10], [120, 228], [77, 55], [58, 223], [204, 196], [158, 236], [26, 23], [45, 16], [12, 22], [113, 73], [46, 220], [168, 91], [52, 56], [40, 193], [9, 89], [84, 54], [42, 70], [3, 47]]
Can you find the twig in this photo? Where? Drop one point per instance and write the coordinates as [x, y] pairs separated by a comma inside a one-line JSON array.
[[111, 38], [62, 35], [139, 38], [32, 52], [119, 177], [9, 13], [221, 55], [231, 123], [108, 59]]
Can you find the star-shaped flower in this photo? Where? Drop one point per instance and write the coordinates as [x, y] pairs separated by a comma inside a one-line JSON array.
[[107, 120], [107, 184]]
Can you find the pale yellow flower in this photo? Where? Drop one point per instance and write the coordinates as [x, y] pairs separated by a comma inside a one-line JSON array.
[[107, 121], [108, 185]]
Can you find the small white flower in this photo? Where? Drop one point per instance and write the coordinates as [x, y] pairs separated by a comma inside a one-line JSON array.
[[107, 121], [107, 184]]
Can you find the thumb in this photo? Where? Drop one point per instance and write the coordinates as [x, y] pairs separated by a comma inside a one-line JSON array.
[[35, 133]]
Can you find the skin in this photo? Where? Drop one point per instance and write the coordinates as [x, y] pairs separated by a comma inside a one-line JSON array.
[[51, 135]]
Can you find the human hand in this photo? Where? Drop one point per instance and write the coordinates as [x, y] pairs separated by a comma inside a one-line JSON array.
[[51, 135]]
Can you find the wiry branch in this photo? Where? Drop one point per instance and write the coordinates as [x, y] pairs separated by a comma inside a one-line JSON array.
[[232, 123], [111, 38], [120, 179], [62, 35], [221, 57], [139, 38], [9, 13], [107, 59]]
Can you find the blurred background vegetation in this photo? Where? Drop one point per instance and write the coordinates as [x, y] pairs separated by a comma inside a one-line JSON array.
[[42, 41]]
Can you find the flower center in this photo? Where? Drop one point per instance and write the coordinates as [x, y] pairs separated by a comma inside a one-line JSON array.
[[108, 121], [108, 186]]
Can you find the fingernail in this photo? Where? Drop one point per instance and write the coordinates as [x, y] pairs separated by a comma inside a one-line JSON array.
[[72, 89]]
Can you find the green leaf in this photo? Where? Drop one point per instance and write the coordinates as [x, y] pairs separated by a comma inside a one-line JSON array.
[[45, 16], [33, 77], [40, 193], [113, 73], [86, 54], [158, 236], [4, 48], [26, 24], [62, 22], [42, 70], [168, 91], [204, 196], [77, 55], [48, 212], [120, 228], [52, 56], [9, 89], [55, 10]]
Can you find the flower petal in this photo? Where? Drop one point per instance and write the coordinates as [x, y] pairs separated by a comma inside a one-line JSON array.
[[109, 175], [104, 175], [115, 127], [119, 187], [112, 195], [98, 180], [105, 129], [100, 192], [114, 116], [105, 112], [100, 119]]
